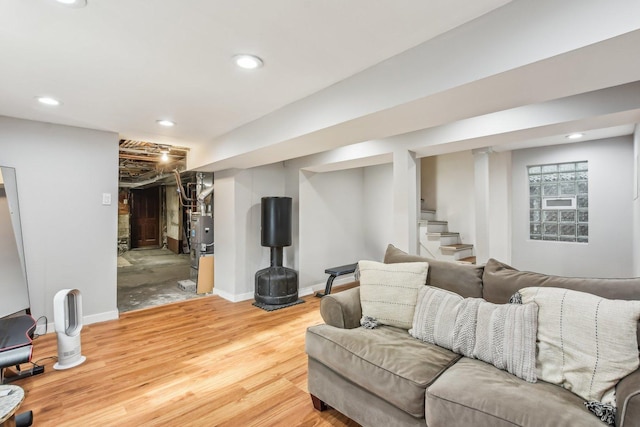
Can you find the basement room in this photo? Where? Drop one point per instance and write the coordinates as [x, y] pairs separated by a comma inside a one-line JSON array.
[[320, 213]]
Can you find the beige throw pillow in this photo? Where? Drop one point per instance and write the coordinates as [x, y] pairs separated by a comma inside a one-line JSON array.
[[586, 343], [388, 292]]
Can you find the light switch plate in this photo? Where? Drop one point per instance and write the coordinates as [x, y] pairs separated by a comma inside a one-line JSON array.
[[106, 198]]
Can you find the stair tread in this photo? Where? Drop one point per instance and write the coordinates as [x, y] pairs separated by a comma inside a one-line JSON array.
[[428, 211], [467, 260], [443, 234], [457, 246], [428, 222]]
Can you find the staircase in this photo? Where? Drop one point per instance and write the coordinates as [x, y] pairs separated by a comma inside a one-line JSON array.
[[437, 242]]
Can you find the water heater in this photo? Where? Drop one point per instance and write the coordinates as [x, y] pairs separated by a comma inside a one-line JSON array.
[[67, 318]]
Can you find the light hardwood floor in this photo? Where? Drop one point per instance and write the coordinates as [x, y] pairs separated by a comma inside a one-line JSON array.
[[203, 362]]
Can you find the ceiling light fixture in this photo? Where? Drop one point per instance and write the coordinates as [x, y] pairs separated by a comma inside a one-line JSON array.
[[248, 62], [576, 135], [47, 100], [166, 123], [73, 3], [165, 156]]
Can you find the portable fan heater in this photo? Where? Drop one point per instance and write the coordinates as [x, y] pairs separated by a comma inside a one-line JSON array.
[[67, 318]]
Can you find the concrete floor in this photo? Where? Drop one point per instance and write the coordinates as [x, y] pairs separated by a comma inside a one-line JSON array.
[[149, 277]]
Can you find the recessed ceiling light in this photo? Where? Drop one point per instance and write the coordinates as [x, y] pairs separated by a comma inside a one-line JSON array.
[[47, 100], [248, 62], [166, 123], [73, 3], [576, 135]]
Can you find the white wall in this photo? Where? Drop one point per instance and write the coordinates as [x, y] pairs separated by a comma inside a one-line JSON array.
[[338, 217], [455, 193], [253, 185], [237, 212], [69, 236], [331, 226], [609, 251], [377, 214], [636, 202], [224, 231]]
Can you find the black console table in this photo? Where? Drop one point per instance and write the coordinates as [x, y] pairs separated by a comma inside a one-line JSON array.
[[334, 272]]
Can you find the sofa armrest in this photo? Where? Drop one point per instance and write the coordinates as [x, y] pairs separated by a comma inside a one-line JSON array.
[[342, 309], [628, 400]]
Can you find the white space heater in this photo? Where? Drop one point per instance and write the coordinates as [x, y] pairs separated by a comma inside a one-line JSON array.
[[67, 318]]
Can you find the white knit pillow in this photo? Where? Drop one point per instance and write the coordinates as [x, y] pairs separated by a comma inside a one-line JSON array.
[[388, 292], [586, 343], [506, 337], [501, 334], [435, 315]]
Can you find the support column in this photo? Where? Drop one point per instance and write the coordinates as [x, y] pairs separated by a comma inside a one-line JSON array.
[[224, 230], [635, 229], [481, 180], [406, 200]]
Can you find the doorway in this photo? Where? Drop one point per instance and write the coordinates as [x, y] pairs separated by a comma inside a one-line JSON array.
[[149, 271], [145, 218], [153, 252]]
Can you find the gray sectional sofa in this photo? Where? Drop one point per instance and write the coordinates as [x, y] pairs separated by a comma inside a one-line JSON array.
[[385, 377]]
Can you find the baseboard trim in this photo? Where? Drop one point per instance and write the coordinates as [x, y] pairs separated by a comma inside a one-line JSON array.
[[233, 297], [87, 320], [114, 314], [302, 292]]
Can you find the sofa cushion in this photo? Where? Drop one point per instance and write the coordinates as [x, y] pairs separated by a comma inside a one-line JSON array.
[[388, 292], [463, 279], [501, 281], [474, 393], [386, 361], [586, 343], [435, 315]]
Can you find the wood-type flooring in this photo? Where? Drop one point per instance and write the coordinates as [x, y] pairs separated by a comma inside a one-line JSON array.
[[202, 362]]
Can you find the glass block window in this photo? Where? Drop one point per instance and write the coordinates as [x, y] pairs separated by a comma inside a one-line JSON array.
[[559, 202]]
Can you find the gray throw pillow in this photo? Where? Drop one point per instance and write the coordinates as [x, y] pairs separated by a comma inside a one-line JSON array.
[[503, 335], [435, 315], [506, 337]]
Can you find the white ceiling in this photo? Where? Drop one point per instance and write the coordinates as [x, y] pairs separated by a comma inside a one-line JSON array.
[[119, 65], [431, 75]]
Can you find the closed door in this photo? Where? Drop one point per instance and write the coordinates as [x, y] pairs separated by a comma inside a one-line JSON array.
[[145, 218]]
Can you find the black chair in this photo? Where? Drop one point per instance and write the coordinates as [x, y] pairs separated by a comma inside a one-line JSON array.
[[24, 419], [16, 334]]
